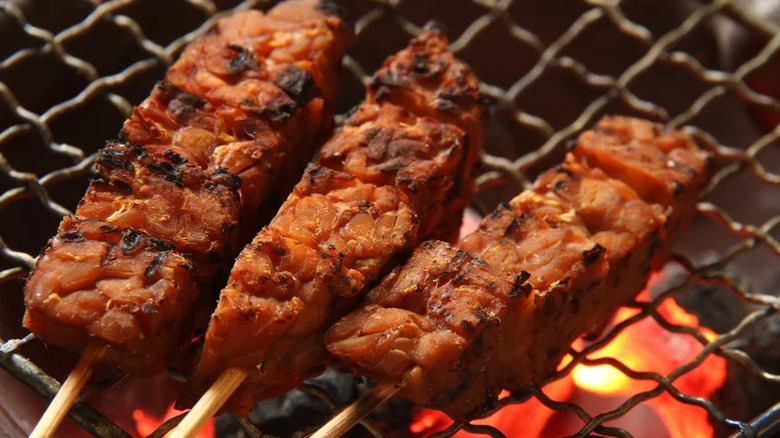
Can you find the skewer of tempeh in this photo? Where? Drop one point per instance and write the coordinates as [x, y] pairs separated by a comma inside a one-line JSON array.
[[395, 174], [203, 159], [453, 327]]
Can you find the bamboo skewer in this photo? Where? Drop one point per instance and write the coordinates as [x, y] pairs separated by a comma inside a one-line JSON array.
[[68, 393], [352, 414], [209, 404]]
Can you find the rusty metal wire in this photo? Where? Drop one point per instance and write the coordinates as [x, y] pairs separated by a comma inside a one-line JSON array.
[[734, 161]]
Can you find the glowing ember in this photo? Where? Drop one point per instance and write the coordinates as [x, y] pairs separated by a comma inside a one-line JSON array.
[[643, 347], [146, 424], [646, 346]]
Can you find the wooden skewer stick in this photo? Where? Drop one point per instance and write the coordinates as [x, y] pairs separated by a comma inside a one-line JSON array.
[[209, 404], [67, 394], [352, 414]]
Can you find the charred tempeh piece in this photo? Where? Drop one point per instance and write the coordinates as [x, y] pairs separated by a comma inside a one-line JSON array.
[[115, 284], [253, 98], [220, 140], [162, 195], [424, 80], [387, 180], [664, 174], [455, 327]]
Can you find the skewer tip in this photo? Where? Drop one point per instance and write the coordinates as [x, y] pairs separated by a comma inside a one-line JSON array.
[[209, 404], [352, 414], [68, 392]]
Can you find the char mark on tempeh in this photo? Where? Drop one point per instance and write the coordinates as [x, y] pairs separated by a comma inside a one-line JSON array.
[[397, 173], [166, 197], [424, 80], [455, 327], [254, 98], [113, 283], [215, 148]]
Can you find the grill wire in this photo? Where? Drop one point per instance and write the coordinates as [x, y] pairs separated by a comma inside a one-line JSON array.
[[497, 170]]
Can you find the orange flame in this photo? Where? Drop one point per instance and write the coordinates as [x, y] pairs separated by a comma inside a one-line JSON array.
[[146, 424], [644, 346]]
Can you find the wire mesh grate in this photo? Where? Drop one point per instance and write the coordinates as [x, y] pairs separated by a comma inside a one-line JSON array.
[[527, 134]]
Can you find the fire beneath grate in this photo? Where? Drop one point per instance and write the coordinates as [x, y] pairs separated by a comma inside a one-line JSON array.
[[697, 355]]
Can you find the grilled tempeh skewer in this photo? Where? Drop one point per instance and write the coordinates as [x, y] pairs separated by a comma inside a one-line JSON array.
[[180, 180], [206, 155], [388, 179], [455, 327]]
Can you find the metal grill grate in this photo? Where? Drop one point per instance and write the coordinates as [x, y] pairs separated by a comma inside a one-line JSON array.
[[526, 136]]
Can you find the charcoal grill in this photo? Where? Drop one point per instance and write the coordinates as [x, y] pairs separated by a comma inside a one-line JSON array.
[[70, 72]]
